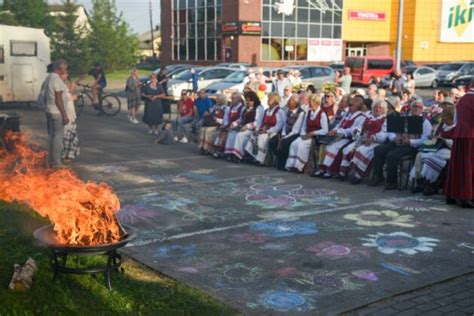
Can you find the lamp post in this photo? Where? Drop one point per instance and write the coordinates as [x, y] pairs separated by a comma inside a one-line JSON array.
[[399, 34]]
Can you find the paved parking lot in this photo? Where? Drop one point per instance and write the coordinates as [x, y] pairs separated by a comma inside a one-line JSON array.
[[268, 242]]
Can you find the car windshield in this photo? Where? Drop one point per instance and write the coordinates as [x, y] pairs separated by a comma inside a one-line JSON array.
[[185, 75], [236, 77], [450, 67]]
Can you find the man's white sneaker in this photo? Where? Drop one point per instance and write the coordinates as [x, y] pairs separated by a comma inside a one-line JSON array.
[[150, 132], [184, 140], [176, 138], [135, 121]]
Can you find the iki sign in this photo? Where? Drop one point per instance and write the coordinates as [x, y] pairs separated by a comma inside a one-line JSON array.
[[457, 21]]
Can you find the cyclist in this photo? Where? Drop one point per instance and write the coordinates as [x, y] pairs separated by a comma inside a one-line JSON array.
[[100, 82]]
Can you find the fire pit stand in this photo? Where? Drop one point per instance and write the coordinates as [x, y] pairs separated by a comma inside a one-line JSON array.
[[60, 254]]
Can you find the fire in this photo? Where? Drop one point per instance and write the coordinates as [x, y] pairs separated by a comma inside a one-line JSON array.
[[83, 213]]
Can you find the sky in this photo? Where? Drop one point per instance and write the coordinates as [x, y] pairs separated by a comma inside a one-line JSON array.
[[135, 12]]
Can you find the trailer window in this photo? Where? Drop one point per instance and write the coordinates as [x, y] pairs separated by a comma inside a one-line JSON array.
[[23, 48], [2, 55]]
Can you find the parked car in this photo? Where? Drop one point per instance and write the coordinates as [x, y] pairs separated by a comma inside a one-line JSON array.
[[450, 72], [337, 67], [364, 68], [236, 81], [314, 75], [463, 80], [434, 66], [205, 76], [407, 63], [241, 66], [424, 76]]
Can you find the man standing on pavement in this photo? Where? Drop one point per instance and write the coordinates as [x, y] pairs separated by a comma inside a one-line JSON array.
[[345, 80], [55, 92], [280, 83]]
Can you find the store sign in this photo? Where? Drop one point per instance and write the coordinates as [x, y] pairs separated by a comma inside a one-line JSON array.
[[242, 28], [230, 28], [457, 21], [367, 15], [250, 28], [324, 49]]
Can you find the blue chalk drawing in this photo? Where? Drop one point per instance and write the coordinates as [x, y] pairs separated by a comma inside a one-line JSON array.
[[176, 251], [399, 269], [284, 300], [285, 228]]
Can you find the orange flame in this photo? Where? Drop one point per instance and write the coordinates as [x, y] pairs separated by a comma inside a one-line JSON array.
[[83, 213]]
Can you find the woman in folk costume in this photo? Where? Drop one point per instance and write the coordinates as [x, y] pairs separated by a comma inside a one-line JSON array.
[[230, 121], [212, 121], [272, 124], [353, 120], [357, 156], [279, 145], [429, 164], [315, 122], [250, 118]]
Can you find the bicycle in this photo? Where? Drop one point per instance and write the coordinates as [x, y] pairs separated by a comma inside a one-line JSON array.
[[109, 104]]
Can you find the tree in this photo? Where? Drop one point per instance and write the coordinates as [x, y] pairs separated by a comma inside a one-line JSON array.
[[111, 40], [31, 13], [70, 41], [7, 18]]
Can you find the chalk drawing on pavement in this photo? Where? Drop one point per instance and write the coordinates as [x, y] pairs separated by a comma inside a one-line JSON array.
[[285, 228], [365, 275], [398, 268], [417, 204], [334, 251], [400, 242], [373, 218], [239, 273], [173, 251]]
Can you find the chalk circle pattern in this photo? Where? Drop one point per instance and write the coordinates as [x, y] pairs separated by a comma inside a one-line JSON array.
[[400, 242]]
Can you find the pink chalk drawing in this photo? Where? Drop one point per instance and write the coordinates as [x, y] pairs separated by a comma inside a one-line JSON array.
[[365, 275], [332, 250]]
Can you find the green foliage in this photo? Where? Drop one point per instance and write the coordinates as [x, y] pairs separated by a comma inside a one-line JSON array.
[[139, 291], [31, 13], [71, 42], [7, 18], [111, 41]]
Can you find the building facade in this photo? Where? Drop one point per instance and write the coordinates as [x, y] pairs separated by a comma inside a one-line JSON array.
[[281, 32]]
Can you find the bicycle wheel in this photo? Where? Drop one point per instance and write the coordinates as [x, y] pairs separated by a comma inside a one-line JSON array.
[[111, 105], [79, 105]]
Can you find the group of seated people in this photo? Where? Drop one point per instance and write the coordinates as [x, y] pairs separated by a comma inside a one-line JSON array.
[[329, 137]]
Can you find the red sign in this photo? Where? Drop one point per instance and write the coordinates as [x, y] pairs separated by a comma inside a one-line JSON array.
[[250, 28], [367, 15]]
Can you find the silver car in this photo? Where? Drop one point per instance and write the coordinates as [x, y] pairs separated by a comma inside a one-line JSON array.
[[314, 75], [424, 77], [205, 77], [449, 72]]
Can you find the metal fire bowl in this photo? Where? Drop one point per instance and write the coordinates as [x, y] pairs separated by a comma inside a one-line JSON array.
[[47, 236]]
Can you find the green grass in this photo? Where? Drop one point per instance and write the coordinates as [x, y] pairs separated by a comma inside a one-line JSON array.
[[122, 75], [140, 291]]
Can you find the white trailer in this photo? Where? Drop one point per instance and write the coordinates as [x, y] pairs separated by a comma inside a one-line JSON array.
[[24, 56]]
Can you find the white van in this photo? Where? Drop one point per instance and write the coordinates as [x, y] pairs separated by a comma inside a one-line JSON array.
[[24, 56]]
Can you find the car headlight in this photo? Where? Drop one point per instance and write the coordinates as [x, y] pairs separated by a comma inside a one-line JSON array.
[[449, 76]]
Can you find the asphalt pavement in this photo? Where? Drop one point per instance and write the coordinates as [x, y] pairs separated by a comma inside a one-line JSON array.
[[270, 242]]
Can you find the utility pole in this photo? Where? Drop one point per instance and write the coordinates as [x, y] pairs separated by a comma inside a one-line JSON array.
[[152, 35], [399, 34]]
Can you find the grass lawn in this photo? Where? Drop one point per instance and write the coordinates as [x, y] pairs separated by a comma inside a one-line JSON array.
[[140, 291], [122, 75]]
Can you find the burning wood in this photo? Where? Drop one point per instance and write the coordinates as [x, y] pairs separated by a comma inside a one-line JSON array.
[[83, 213], [23, 276]]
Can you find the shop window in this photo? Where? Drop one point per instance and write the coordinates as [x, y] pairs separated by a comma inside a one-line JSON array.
[[2, 55], [201, 49], [302, 49], [211, 50], [290, 30], [302, 30], [315, 31], [192, 49], [266, 49], [303, 15], [23, 48]]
